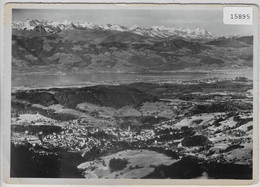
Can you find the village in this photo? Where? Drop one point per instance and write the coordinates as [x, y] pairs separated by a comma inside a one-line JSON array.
[[168, 136]]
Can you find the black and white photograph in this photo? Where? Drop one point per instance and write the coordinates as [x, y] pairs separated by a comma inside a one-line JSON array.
[[139, 92]]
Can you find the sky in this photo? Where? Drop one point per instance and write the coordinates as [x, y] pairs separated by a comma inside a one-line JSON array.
[[210, 19]]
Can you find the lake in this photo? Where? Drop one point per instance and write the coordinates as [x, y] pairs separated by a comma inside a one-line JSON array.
[[41, 80]]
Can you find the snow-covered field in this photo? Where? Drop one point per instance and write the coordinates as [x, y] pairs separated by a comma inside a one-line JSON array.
[[140, 164], [36, 118]]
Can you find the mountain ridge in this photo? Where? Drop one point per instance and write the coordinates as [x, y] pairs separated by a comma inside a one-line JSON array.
[[154, 31], [80, 50]]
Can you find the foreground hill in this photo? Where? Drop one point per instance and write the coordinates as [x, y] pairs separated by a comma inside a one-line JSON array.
[[112, 96]]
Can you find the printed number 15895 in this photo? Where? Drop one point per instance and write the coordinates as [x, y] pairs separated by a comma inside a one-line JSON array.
[[240, 16]]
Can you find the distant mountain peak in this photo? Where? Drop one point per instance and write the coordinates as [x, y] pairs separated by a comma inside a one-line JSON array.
[[134, 27], [66, 22]]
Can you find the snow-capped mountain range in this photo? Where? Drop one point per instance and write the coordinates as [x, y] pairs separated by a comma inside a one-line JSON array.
[[155, 31]]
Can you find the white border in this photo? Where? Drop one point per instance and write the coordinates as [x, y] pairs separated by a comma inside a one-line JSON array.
[[6, 88]]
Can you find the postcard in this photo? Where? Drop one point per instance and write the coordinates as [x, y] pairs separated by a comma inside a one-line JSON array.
[[130, 94]]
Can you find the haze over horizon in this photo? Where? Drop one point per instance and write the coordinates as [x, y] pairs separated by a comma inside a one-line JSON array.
[[209, 19]]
